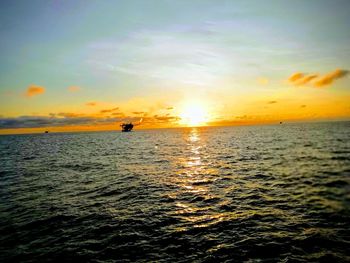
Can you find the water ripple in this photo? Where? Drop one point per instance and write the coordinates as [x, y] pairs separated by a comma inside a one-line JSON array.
[[267, 193]]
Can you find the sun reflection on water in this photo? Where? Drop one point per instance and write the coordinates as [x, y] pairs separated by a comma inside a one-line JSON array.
[[194, 181], [194, 143]]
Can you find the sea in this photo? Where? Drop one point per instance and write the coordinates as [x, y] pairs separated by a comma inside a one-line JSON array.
[[270, 193]]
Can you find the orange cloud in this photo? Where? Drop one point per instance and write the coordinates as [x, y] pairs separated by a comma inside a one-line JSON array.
[[91, 103], [68, 115], [119, 114], [330, 77], [296, 76], [272, 102], [73, 88], [316, 80], [34, 90], [306, 79], [109, 110], [165, 118]]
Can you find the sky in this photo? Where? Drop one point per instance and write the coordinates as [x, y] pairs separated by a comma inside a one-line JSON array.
[[89, 65]]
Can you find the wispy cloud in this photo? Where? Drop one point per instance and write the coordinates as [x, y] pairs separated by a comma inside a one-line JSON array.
[[34, 90], [306, 79], [67, 115], [46, 121], [109, 110], [166, 118], [295, 77], [119, 114], [272, 102], [329, 78], [91, 103], [172, 55], [62, 119], [317, 80]]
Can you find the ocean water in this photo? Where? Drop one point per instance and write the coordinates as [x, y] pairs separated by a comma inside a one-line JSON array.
[[278, 193]]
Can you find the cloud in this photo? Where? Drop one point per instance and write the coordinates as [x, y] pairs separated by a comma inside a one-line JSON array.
[[170, 108], [162, 55], [317, 80], [272, 102], [67, 119], [109, 110], [306, 79], [66, 115], [331, 77], [303, 106], [34, 90], [91, 103], [119, 114], [166, 118], [74, 119], [138, 112], [73, 89], [295, 77]]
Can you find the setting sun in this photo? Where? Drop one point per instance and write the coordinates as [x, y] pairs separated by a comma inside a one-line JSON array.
[[194, 114]]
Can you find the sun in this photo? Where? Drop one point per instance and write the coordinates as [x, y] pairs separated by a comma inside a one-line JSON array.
[[194, 114]]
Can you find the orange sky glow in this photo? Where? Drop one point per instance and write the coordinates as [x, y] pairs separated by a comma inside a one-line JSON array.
[[71, 69]]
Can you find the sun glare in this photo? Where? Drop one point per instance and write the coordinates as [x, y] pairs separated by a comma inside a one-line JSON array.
[[194, 114]]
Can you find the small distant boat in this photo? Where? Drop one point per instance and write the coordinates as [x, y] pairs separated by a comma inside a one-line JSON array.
[[46, 131], [281, 122], [127, 127]]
